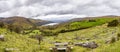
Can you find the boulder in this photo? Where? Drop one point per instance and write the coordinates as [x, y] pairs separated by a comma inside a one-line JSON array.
[[91, 45]]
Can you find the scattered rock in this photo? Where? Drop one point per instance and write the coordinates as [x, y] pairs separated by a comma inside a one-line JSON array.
[[91, 45], [61, 47], [11, 49], [1, 37]]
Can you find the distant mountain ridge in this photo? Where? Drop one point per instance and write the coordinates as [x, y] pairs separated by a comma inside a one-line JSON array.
[[22, 21], [88, 18]]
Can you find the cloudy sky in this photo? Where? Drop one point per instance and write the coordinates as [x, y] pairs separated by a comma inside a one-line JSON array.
[[54, 9]]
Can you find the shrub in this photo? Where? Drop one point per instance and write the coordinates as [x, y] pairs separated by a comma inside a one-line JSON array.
[[14, 28], [2, 25], [18, 29], [92, 20], [113, 23], [118, 35], [113, 39], [48, 33]]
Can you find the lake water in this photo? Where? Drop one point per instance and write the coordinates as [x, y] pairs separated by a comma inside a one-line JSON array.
[[50, 24]]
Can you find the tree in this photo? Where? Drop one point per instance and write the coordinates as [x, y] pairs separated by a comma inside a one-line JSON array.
[[39, 38]]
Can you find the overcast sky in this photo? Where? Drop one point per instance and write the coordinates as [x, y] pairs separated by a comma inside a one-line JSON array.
[[45, 9]]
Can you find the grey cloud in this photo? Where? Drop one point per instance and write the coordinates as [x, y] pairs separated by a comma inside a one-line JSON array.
[[6, 5], [30, 8], [54, 2]]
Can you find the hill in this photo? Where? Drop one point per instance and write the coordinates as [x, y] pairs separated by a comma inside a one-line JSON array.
[[22, 21], [78, 24]]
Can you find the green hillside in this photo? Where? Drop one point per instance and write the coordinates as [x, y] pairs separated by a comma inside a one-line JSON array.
[[76, 25], [99, 34]]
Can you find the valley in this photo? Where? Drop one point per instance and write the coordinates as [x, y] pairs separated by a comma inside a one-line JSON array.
[[103, 31]]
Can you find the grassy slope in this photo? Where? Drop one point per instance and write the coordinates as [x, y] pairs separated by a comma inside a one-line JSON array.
[[20, 42], [102, 32], [76, 25]]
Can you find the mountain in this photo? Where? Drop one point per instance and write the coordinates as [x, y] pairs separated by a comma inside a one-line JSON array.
[[22, 21]]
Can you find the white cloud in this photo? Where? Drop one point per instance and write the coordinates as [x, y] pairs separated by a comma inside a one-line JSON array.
[[60, 17]]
